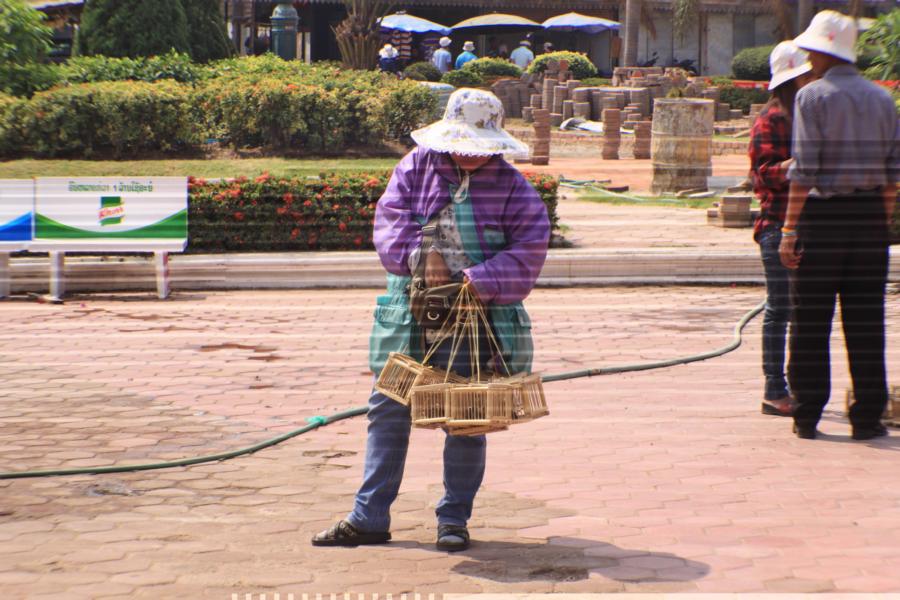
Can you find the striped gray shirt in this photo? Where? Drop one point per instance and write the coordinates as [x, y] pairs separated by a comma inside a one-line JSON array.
[[846, 135]]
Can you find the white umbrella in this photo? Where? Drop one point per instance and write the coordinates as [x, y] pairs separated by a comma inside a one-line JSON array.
[[577, 22]]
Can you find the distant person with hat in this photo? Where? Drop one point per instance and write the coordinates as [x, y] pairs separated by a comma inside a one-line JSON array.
[[442, 59], [770, 157], [387, 59], [846, 149], [522, 56], [468, 55], [457, 211], [548, 48]]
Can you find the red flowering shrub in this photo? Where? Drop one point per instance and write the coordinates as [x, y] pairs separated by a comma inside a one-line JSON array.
[[334, 212]]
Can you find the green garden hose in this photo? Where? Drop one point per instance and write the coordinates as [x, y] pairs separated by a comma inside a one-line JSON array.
[[318, 421]]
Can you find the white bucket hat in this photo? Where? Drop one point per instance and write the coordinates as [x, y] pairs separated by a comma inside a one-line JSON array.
[[470, 127], [787, 61], [832, 33], [445, 41], [469, 46]]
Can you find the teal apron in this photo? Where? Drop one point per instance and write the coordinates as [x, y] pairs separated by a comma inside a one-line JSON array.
[[395, 329]]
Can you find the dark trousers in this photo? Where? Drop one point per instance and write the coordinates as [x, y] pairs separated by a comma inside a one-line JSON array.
[[844, 241]]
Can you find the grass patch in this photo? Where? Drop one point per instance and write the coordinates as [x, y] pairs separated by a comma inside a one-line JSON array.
[[208, 169], [728, 138], [646, 200]]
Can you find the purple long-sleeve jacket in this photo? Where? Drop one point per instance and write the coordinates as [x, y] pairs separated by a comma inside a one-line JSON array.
[[510, 218]]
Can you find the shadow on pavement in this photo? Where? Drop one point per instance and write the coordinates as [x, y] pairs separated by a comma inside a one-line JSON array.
[[571, 559]]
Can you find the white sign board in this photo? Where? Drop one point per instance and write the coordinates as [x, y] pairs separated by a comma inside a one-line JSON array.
[[114, 214], [16, 213]]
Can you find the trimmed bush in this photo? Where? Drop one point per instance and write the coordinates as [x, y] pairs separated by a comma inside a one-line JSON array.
[[596, 82], [579, 64], [492, 67], [463, 78], [27, 79], [91, 69], [405, 110], [264, 102], [265, 214], [318, 108], [742, 98], [752, 64], [118, 118], [422, 71], [9, 135]]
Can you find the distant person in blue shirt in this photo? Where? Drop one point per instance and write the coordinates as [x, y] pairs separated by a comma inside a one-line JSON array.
[[468, 55], [442, 59], [523, 56]]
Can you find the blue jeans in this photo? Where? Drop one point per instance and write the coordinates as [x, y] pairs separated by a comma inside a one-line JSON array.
[[777, 315], [386, 448]]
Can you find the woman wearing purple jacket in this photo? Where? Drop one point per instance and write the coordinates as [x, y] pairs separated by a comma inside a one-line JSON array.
[[491, 229]]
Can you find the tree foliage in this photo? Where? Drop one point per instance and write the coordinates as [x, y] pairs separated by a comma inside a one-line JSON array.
[[24, 42], [358, 36], [23, 36], [884, 39], [684, 16], [208, 36], [133, 28]]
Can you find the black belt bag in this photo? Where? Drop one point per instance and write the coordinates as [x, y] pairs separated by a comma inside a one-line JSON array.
[[430, 307]]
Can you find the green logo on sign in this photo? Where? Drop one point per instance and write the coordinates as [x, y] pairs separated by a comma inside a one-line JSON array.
[[112, 210]]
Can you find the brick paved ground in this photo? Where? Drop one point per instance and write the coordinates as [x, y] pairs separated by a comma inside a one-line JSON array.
[[637, 174], [609, 227], [667, 480]]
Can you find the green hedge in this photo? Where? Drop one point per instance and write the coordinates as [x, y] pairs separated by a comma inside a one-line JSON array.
[[25, 80], [315, 108], [334, 212], [752, 64], [8, 139], [579, 64], [596, 82], [742, 98], [422, 71], [264, 102], [92, 69], [121, 118], [463, 78], [492, 67]]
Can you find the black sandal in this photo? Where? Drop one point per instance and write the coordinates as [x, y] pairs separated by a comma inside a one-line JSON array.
[[447, 531], [343, 533]]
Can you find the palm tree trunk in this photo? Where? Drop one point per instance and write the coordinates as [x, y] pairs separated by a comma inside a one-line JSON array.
[[804, 14], [632, 29]]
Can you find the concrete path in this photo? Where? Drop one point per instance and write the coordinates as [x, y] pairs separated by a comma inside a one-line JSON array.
[[661, 481]]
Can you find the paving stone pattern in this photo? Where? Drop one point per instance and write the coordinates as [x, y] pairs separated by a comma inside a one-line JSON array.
[[661, 481]]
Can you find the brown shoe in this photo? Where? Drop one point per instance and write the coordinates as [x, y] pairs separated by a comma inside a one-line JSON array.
[[783, 407]]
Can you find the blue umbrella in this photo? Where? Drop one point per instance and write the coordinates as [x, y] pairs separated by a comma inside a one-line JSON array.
[[577, 22], [404, 22], [497, 21]]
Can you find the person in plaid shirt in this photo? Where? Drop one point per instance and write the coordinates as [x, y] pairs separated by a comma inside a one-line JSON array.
[[770, 157]]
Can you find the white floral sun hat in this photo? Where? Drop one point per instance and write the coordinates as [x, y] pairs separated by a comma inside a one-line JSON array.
[[832, 33], [471, 127], [787, 62]]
